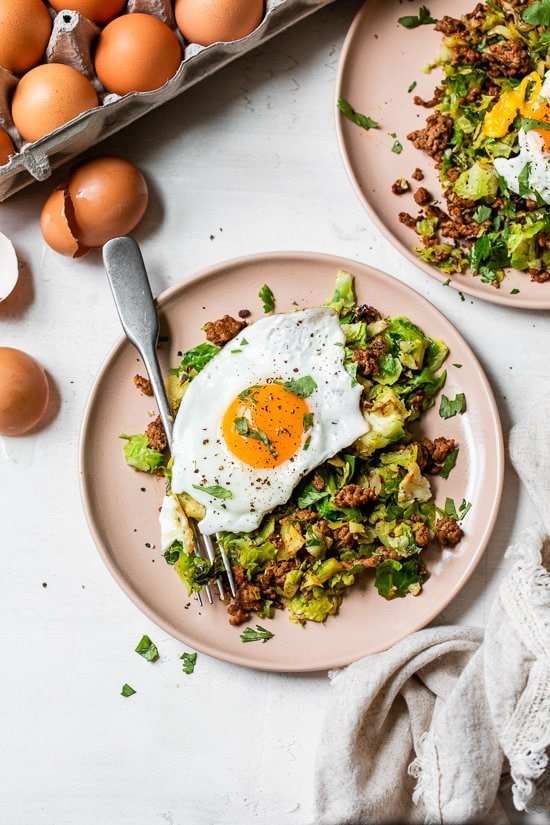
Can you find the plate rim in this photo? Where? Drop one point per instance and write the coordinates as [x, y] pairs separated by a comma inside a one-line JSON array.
[[368, 8], [85, 496]]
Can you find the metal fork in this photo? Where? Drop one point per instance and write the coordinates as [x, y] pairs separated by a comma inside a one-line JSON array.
[[138, 315]]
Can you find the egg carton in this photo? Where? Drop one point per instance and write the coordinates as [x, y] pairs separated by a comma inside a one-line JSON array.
[[72, 42]]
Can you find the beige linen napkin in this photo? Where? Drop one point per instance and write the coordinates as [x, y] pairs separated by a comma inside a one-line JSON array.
[[424, 731]]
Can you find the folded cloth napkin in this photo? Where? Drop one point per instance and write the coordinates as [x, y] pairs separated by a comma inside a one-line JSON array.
[[424, 731]]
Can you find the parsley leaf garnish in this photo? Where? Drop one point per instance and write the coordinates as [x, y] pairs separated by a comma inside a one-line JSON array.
[[397, 147], [528, 124], [194, 360], [247, 395], [450, 508], [482, 214], [307, 443], [189, 662], [302, 387], [308, 421], [127, 690], [267, 298], [449, 407], [412, 86], [241, 426], [514, 291], [147, 649], [258, 635], [538, 13], [464, 509], [214, 490], [423, 19], [449, 464], [364, 121]]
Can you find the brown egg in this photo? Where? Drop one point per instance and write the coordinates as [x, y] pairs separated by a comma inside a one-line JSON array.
[[100, 11], [104, 198], [6, 147], [136, 53], [25, 28], [55, 223], [24, 392], [49, 96], [212, 21]]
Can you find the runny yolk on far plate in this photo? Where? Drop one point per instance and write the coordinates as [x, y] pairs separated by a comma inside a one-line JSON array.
[[524, 100], [265, 425]]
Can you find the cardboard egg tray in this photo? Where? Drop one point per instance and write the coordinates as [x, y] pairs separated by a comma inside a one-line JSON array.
[[72, 42]]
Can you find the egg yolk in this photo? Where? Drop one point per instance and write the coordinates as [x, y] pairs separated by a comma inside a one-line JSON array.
[[266, 425], [523, 100]]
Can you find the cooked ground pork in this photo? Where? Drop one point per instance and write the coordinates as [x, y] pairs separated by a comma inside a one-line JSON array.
[[509, 58], [431, 455], [354, 495], [223, 330], [400, 186], [367, 361], [156, 437], [422, 197], [418, 174], [448, 532], [143, 385], [434, 137]]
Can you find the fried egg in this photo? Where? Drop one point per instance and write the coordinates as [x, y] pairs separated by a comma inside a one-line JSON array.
[[533, 160], [270, 407]]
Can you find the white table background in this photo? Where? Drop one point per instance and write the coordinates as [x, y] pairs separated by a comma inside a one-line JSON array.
[[245, 162]]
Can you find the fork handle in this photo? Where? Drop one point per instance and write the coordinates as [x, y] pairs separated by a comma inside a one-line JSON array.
[[138, 315]]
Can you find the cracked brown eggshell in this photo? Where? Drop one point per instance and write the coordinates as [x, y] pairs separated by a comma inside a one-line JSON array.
[[136, 53], [103, 199], [25, 27], [49, 96], [212, 21], [55, 222], [98, 11]]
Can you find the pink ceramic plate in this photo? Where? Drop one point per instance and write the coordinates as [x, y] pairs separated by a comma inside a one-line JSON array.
[[122, 505], [380, 60]]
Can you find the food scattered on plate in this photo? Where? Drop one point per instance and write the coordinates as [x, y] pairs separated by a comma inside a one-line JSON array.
[[24, 392], [296, 444], [489, 137], [104, 198]]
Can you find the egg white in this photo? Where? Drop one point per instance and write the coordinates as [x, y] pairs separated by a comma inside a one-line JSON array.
[[531, 150], [280, 347]]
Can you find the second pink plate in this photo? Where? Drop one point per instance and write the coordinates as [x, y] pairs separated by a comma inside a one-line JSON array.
[[380, 61]]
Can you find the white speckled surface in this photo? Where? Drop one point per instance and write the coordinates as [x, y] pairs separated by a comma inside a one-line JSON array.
[[247, 161]]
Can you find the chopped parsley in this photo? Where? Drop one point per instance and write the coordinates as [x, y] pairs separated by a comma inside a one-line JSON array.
[[302, 387], [214, 490], [449, 464], [195, 360], [364, 121], [412, 21], [464, 509], [189, 662], [147, 649], [308, 421], [482, 214], [248, 394], [514, 291], [127, 691], [538, 13], [260, 634], [241, 426], [450, 509], [307, 443], [267, 298], [412, 86], [450, 407], [397, 147]]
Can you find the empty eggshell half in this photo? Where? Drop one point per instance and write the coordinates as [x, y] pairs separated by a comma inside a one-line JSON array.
[[9, 267], [103, 199]]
